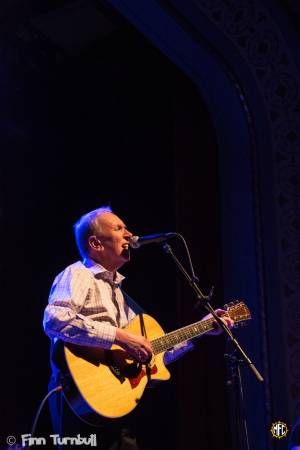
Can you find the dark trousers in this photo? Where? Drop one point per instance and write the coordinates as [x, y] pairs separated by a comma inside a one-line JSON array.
[[66, 424]]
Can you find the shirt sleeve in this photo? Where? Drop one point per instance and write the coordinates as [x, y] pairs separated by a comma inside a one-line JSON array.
[[178, 351], [62, 318]]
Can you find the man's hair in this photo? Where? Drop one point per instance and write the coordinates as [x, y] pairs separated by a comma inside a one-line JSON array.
[[86, 226]]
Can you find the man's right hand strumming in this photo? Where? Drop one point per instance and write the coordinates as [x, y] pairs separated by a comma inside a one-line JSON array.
[[137, 346]]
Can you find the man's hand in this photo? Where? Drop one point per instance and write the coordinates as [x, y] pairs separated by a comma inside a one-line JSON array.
[[137, 346], [225, 318]]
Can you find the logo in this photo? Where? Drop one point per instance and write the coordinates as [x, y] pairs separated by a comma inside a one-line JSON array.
[[279, 429]]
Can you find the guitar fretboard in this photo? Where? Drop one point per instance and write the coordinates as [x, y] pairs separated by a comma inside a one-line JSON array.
[[168, 341]]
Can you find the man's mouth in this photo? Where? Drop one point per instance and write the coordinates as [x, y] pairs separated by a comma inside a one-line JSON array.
[[126, 251]]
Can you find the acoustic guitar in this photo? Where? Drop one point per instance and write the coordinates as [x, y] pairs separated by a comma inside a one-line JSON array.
[[99, 383]]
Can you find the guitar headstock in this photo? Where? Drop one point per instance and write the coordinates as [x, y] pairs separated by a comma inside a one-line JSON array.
[[238, 311]]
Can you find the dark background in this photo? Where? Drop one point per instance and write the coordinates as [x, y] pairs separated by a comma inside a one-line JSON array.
[[116, 124]]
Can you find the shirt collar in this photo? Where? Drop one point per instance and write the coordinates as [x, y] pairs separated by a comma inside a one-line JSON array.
[[100, 272]]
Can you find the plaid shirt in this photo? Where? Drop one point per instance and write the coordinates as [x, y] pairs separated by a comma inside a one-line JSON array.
[[86, 305]]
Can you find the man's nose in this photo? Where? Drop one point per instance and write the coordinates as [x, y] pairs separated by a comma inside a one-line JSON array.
[[128, 233]]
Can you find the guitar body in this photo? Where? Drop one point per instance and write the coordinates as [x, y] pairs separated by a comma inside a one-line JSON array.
[[110, 383]]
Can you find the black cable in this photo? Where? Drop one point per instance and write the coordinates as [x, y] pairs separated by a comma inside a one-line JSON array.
[[58, 388], [188, 255], [193, 275]]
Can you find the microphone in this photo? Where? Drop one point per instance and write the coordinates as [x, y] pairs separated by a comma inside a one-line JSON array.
[[138, 241]]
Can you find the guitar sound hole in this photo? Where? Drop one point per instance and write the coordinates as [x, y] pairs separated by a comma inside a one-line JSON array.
[[122, 365], [132, 370]]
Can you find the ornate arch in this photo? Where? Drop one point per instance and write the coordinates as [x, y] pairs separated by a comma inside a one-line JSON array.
[[250, 80]]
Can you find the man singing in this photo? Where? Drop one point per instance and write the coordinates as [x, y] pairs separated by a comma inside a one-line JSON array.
[[87, 307]]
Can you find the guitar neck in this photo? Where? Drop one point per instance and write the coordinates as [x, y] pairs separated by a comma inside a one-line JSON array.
[[183, 334]]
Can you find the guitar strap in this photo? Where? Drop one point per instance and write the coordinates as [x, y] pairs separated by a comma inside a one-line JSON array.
[[144, 333], [138, 310], [142, 325], [132, 304]]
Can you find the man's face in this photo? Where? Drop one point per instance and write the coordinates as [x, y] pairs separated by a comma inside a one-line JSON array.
[[114, 239]]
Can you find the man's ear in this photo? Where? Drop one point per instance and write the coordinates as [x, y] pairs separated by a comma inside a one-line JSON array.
[[95, 243]]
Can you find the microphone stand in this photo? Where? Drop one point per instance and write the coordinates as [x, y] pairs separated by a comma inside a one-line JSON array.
[[241, 355], [237, 401]]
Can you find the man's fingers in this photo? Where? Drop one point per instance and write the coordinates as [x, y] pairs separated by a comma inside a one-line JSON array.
[[144, 351], [225, 318], [143, 355], [146, 346], [137, 346]]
